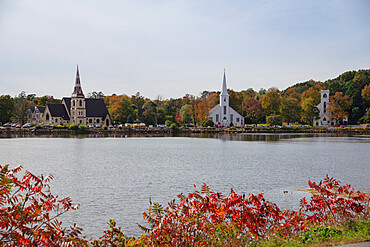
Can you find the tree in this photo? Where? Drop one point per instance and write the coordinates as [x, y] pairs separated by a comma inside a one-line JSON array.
[[185, 113], [274, 120], [130, 120], [366, 93], [338, 106], [207, 123], [21, 105], [97, 95], [6, 108], [178, 118], [309, 110], [271, 102], [290, 109], [253, 110]]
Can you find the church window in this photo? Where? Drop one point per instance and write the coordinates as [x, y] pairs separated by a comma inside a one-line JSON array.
[[224, 110], [325, 96], [90, 120], [80, 102], [47, 116], [73, 102], [217, 117], [98, 120], [225, 99], [237, 119], [231, 117], [324, 119], [324, 105]]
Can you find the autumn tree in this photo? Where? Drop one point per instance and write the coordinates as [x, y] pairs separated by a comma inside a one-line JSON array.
[[271, 102], [338, 106], [366, 93], [253, 110]]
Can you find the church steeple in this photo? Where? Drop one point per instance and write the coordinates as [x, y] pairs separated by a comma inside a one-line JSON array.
[[77, 91], [224, 87]]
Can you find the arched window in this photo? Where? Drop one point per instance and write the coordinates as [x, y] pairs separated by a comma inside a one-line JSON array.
[[80, 102], [324, 105], [325, 96], [73, 102], [47, 116], [324, 119], [225, 99]]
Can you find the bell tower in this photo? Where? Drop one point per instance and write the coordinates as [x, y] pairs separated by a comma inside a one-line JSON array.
[[78, 103], [224, 103]]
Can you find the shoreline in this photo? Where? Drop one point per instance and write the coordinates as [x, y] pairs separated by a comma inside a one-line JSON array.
[[9, 133]]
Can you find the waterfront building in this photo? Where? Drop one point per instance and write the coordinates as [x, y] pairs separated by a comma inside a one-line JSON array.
[[223, 115], [76, 109], [324, 116], [35, 115]]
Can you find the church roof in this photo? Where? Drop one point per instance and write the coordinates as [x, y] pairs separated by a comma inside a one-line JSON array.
[[224, 87], [58, 110], [77, 91], [94, 107]]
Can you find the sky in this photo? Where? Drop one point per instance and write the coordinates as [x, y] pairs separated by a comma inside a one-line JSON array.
[[170, 48]]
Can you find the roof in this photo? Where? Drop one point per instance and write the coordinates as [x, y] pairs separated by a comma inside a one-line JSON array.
[[41, 109], [58, 110], [96, 108]]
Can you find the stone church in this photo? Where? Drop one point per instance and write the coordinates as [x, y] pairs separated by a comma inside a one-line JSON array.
[[223, 115], [74, 110]]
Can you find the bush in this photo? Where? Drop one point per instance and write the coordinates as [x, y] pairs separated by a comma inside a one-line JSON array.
[[174, 127], [29, 212], [105, 127], [82, 127], [73, 127], [274, 120], [207, 123]]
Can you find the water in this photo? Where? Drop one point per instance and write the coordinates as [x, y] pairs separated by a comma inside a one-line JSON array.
[[113, 178]]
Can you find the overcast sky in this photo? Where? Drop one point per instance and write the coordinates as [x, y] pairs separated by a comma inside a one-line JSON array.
[[170, 47]]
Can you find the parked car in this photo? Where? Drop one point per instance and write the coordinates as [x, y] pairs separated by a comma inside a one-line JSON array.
[[7, 125], [18, 125], [98, 126], [14, 125], [110, 126], [27, 125]]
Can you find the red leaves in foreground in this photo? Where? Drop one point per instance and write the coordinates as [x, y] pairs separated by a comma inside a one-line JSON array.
[[208, 218], [28, 212]]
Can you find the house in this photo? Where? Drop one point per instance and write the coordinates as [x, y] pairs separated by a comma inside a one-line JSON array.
[[324, 116], [77, 109], [222, 114], [35, 115]]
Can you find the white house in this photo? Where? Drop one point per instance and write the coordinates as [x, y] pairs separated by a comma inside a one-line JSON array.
[[324, 116], [222, 114]]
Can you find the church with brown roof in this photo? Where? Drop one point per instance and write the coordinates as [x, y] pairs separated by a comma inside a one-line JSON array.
[[76, 110]]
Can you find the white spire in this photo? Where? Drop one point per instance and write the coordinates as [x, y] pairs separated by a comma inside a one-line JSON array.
[[224, 87]]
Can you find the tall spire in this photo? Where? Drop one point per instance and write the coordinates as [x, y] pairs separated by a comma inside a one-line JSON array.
[[77, 91], [224, 87]]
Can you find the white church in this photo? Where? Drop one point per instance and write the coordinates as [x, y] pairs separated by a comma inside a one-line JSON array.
[[324, 116], [223, 115]]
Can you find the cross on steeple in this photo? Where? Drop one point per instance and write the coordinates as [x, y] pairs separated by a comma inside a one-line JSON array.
[[77, 91]]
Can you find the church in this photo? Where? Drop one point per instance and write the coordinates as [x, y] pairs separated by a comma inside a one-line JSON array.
[[73, 110], [223, 115], [324, 116]]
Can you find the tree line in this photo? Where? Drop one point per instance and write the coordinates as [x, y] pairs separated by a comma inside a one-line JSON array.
[[349, 96]]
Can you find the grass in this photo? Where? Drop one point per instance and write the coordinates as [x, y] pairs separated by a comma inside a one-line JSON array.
[[350, 232]]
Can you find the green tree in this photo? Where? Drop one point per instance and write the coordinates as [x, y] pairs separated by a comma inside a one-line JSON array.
[[309, 110], [6, 108], [290, 110], [271, 102], [274, 120], [21, 105], [185, 113]]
